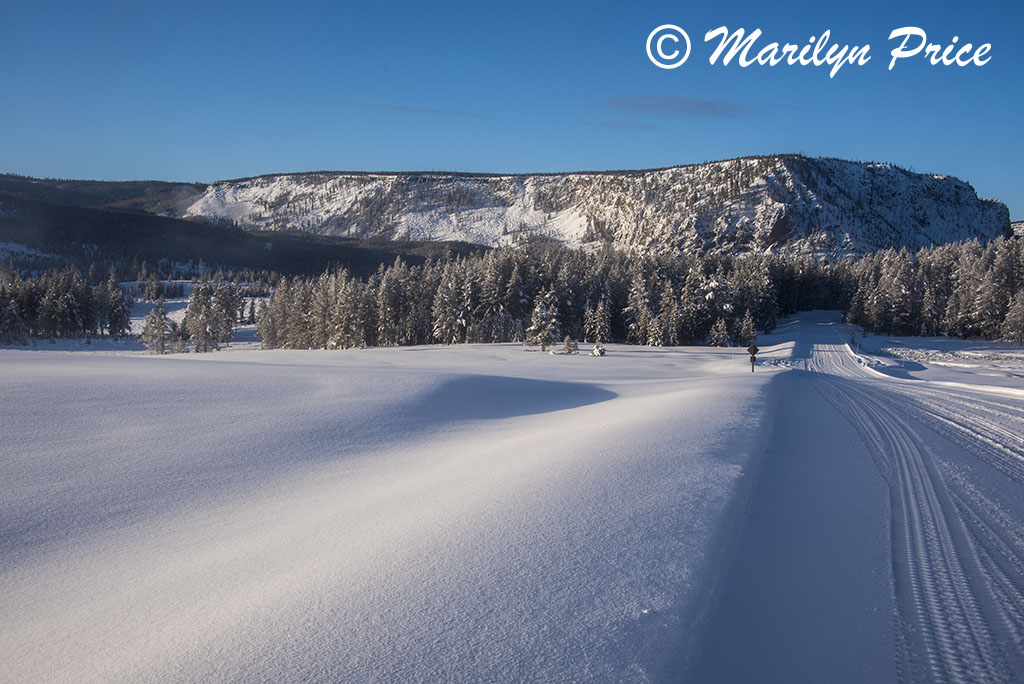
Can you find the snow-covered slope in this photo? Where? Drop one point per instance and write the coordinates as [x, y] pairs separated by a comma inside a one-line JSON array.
[[818, 205]]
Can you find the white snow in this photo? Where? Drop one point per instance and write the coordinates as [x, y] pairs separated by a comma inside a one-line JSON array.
[[432, 513], [483, 513]]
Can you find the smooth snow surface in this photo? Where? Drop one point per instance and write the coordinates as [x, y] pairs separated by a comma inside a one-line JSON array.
[[424, 514], [808, 595], [481, 513]]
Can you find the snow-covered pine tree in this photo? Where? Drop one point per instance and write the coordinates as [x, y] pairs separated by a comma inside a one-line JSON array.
[[1013, 324], [319, 313], [748, 330], [50, 311], [495, 323], [342, 332], [602, 322], [154, 288], [668, 316], [517, 301], [224, 304], [119, 308], [448, 311], [570, 346], [366, 315], [694, 310], [654, 331], [638, 312], [155, 329], [81, 308], [198, 319], [719, 336], [391, 311], [544, 328]]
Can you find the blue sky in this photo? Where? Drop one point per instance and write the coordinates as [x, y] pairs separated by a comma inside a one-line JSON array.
[[204, 91]]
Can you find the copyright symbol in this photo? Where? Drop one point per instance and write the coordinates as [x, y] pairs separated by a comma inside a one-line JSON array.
[[665, 41]]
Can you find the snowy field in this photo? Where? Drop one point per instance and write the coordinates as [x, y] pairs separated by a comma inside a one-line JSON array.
[[482, 513]]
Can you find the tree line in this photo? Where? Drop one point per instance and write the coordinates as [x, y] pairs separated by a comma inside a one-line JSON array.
[[61, 304], [961, 290], [542, 292]]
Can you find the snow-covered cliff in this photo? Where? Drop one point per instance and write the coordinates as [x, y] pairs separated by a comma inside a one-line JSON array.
[[791, 202]]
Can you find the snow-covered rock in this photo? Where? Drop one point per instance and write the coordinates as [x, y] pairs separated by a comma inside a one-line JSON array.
[[824, 206]]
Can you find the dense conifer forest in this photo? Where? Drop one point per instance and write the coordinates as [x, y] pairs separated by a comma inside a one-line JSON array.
[[542, 293], [965, 289]]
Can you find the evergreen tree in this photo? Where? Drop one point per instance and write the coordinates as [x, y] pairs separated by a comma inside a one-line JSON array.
[[12, 329], [118, 309], [155, 329], [449, 308], [638, 313], [199, 321], [224, 304], [719, 334], [598, 322], [51, 312], [266, 325], [544, 328], [391, 311], [1013, 324], [748, 330], [154, 288], [694, 310], [668, 317]]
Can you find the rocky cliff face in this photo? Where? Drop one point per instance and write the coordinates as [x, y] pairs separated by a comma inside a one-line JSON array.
[[790, 203]]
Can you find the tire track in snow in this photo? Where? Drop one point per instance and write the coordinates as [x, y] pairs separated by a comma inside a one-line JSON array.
[[957, 562]]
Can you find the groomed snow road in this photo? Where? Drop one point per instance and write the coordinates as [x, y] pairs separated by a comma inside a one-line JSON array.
[[953, 461]]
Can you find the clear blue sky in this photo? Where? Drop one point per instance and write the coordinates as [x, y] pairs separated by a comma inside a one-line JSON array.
[[204, 91]]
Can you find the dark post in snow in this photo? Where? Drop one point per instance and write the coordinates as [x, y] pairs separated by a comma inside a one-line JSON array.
[[753, 355]]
